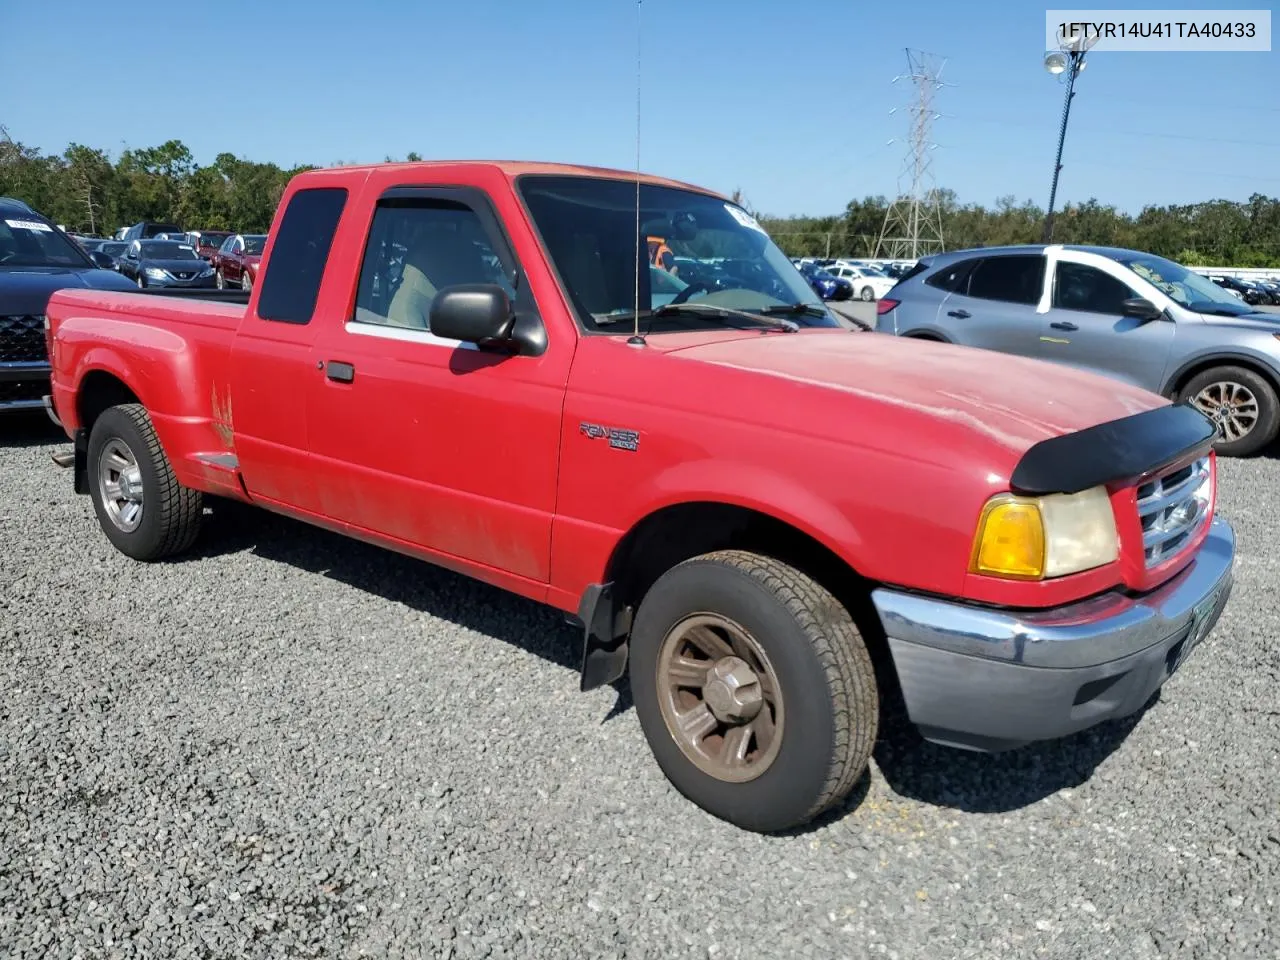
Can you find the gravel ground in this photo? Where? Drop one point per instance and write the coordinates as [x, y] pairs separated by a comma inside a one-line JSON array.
[[292, 745]]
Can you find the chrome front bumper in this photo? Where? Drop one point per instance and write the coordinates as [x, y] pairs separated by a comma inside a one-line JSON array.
[[991, 679]]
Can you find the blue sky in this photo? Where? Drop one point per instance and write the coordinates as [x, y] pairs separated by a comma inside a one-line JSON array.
[[789, 101]]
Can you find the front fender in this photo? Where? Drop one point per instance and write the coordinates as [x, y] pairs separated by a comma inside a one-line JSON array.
[[749, 485], [1245, 354]]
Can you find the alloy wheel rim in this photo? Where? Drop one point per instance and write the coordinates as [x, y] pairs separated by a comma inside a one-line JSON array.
[[120, 485], [1231, 406], [720, 697]]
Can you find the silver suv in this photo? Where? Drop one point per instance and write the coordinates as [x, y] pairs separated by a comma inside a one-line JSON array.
[[1133, 316]]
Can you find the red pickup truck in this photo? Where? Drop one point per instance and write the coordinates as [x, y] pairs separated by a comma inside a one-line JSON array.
[[769, 522]]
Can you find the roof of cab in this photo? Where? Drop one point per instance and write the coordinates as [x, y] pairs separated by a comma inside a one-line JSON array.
[[510, 169]]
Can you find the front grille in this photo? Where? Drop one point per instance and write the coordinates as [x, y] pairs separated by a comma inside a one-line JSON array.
[[1173, 508], [22, 339], [184, 274], [19, 391]]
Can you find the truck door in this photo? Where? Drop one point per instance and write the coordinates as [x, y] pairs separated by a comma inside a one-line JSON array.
[[272, 364], [428, 442]]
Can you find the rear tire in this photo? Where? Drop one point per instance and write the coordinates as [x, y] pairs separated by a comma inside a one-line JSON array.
[[793, 655], [143, 510], [1242, 404], [868, 294]]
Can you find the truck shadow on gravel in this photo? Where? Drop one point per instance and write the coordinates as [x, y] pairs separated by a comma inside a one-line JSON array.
[[994, 782], [468, 603], [30, 429]]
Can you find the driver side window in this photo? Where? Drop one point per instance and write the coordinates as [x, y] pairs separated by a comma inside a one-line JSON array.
[[1077, 286]]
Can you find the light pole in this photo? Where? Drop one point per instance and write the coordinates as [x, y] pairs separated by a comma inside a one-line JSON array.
[[1068, 59]]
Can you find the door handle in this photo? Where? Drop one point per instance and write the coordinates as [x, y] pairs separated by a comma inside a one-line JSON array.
[[340, 372], [962, 314], [1063, 325]]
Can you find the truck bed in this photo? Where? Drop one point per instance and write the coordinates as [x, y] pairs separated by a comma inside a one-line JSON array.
[[107, 339]]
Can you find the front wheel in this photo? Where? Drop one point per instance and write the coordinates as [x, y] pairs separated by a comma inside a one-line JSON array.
[[142, 284], [1242, 405], [754, 689], [868, 294], [219, 280], [246, 283], [143, 510]]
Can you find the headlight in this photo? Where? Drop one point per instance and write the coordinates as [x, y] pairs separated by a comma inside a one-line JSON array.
[[155, 273], [1037, 538]]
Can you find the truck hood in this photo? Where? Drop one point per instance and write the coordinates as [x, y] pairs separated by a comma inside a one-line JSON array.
[[26, 290], [1013, 401]]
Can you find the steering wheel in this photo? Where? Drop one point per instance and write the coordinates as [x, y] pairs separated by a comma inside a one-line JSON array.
[[688, 292]]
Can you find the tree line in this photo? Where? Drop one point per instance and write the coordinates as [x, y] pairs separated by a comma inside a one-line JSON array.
[[87, 191], [1222, 233]]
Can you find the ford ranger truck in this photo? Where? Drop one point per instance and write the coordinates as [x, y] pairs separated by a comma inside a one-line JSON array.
[[767, 522]]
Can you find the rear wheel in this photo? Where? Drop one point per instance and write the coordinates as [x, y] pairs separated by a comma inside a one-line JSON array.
[[754, 689], [1242, 405], [143, 510], [868, 293]]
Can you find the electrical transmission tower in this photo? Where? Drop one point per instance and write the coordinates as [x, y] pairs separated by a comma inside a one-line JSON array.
[[913, 222]]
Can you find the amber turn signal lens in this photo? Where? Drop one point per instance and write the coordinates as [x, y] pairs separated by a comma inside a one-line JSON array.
[[1010, 541]]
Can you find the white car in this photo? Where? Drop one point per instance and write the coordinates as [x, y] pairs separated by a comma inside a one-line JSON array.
[[868, 282]]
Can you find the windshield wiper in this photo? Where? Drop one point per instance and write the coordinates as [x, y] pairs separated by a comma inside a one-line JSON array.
[[705, 310], [807, 309]]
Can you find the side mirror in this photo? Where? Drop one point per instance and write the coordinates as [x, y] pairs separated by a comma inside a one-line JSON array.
[[472, 312], [1141, 308], [101, 259]]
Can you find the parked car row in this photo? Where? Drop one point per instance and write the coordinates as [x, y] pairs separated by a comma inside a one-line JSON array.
[[1254, 290], [755, 515], [157, 254]]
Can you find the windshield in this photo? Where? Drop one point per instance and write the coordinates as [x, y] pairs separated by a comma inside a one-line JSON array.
[[26, 241], [692, 248], [253, 245], [212, 239], [152, 229], [1182, 286], [168, 250], [113, 248]]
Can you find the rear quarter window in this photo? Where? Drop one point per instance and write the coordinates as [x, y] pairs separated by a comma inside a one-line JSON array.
[[291, 282], [953, 278]]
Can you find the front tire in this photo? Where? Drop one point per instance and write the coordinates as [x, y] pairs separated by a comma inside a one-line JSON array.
[[754, 689], [1242, 405], [141, 507], [219, 280], [246, 283], [868, 294]]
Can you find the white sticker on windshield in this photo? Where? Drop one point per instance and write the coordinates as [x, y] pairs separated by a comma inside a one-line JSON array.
[[29, 225], [743, 217]]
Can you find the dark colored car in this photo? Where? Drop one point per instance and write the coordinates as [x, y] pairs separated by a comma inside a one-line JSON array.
[[36, 258], [826, 285], [148, 229], [1271, 288], [113, 250], [1251, 294], [165, 263]]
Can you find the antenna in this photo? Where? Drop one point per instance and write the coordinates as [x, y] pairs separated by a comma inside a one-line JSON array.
[[913, 222], [635, 339]]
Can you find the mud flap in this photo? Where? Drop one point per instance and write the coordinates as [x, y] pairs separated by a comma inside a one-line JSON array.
[[80, 465], [606, 629]]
